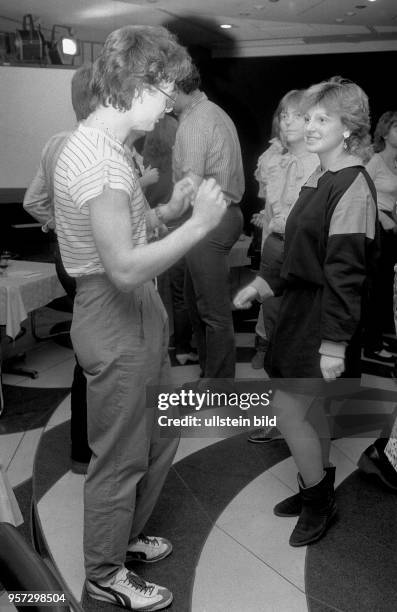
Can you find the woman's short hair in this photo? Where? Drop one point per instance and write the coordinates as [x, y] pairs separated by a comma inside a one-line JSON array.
[[292, 99], [382, 129], [133, 58], [350, 102]]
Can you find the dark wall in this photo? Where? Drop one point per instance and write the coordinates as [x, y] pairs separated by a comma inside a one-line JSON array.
[[249, 89]]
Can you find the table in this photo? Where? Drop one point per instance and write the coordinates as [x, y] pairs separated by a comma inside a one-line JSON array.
[[27, 285]]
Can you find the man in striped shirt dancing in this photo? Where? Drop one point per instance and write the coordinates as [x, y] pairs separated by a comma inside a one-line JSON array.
[[119, 330], [207, 146]]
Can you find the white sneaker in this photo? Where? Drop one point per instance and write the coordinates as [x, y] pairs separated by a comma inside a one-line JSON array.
[[129, 591], [149, 549]]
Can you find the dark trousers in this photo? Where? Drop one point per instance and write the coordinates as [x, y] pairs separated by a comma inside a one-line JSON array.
[[182, 325], [80, 451], [208, 298], [171, 287]]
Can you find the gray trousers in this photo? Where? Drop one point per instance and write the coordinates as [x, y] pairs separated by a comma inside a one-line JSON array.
[[121, 341]]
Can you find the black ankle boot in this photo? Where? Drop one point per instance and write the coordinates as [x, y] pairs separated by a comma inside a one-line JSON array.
[[318, 511], [292, 506]]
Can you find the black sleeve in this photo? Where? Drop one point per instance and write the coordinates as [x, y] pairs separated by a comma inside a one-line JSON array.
[[346, 267]]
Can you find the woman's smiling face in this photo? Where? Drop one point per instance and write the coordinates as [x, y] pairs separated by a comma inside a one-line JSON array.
[[324, 130]]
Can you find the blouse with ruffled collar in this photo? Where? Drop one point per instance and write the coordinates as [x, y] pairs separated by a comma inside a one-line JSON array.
[[281, 175]]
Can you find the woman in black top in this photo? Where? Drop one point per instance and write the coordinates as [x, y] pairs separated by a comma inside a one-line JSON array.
[[330, 243]]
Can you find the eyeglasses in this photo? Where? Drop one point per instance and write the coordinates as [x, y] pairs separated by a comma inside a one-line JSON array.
[[170, 101]]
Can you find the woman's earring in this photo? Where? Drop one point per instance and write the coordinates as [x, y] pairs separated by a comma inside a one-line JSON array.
[[345, 136]]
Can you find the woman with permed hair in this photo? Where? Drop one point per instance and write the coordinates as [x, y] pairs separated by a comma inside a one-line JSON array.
[[329, 253], [382, 168], [281, 171]]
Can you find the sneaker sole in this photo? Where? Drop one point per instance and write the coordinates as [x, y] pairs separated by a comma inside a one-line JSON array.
[[100, 596], [138, 556]]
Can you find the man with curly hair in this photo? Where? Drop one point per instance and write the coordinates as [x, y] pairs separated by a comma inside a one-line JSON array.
[[119, 330]]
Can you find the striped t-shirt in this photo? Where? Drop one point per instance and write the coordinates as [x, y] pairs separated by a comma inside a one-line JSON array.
[[89, 161]]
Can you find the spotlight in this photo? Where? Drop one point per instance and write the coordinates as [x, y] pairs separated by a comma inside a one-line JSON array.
[[63, 48], [29, 42], [69, 46]]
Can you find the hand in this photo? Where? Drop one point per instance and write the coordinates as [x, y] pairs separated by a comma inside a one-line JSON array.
[[257, 219], [331, 367], [209, 205], [181, 198], [150, 176], [243, 299]]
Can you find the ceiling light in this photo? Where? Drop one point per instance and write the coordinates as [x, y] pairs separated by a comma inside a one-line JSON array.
[[225, 26], [339, 20], [350, 13]]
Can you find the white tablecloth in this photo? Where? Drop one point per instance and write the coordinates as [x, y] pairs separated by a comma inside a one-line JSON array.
[[26, 286]]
